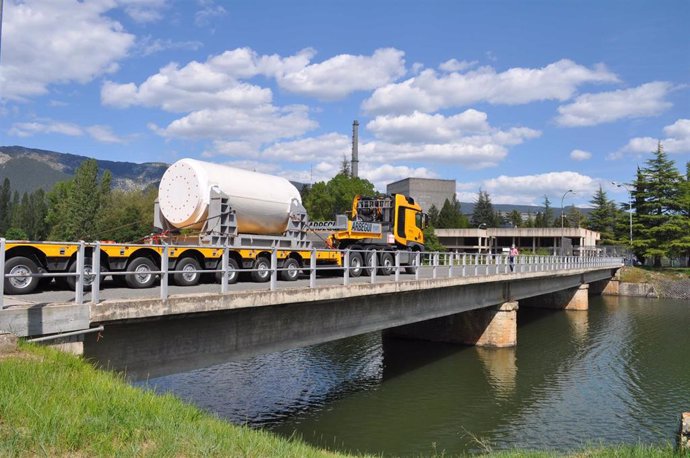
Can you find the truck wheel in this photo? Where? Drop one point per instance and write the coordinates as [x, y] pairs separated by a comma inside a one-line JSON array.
[[20, 266], [355, 264], [291, 272], [387, 263], [233, 272], [262, 272], [140, 275], [186, 275], [369, 259], [412, 267]]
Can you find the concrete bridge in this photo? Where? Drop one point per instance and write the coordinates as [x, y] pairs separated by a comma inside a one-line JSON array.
[[473, 302]]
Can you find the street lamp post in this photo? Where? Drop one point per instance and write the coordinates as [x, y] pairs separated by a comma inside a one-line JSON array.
[[629, 189], [562, 228]]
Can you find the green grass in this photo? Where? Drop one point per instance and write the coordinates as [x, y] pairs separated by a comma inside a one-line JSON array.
[[54, 404], [648, 274]]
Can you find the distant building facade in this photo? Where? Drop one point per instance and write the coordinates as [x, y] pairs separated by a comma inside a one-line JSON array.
[[425, 191], [567, 241]]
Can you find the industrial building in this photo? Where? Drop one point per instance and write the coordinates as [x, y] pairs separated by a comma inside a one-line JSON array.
[[425, 191], [567, 241]]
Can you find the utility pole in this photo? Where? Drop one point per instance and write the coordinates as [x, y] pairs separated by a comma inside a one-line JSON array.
[[629, 189], [562, 236]]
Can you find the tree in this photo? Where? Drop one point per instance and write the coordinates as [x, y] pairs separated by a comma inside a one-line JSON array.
[[433, 215], [658, 192], [450, 215], [602, 218], [484, 211], [5, 206], [547, 216], [431, 241], [515, 218], [325, 200], [75, 206], [574, 217]]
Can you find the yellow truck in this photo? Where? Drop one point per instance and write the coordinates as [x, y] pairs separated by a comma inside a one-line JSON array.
[[249, 215]]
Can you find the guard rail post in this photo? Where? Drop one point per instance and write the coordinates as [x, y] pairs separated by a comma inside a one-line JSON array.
[[374, 264], [397, 266], [274, 269], [464, 269], [434, 264], [451, 260], [224, 265], [79, 290], [476, 265], [2, 272], [96, 270], [165, 264], [346, 269], [418, 264], [312, 268]]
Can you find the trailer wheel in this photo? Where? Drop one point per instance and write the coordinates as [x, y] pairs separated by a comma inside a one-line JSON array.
[[20, 265], [387, 263], [187, 274], [262, 270], [233, 272], [355, 264], [71, 282], [291, 272], [140, 275], [368, 259]]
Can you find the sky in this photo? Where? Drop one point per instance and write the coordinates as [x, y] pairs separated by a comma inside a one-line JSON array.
[[522, 99]]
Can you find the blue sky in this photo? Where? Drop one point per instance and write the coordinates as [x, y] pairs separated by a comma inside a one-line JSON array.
[[522, 99]]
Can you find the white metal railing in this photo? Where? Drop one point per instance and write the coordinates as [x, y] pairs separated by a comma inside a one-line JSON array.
[[425, 265]]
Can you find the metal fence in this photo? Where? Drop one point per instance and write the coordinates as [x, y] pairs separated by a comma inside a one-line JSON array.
[[424, 265]]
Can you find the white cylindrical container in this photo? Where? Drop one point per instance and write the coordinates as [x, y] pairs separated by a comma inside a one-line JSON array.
[[262, 202]]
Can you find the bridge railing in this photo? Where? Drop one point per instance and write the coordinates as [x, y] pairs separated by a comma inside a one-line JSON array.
[[354, 266]]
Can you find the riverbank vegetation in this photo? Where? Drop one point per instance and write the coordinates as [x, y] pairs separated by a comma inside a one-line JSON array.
[[55, 404]]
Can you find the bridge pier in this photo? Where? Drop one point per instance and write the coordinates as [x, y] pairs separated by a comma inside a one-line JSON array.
[[576, 299], [493, 327]]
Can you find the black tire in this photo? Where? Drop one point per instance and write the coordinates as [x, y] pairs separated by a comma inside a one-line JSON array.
[[292, 269], [386, 263], [233, 272], [355, 264], [368, 261], [71, 281], [20, 285], [412, 267], [186, 275], [140, 275], [263, 272], [120, 281]]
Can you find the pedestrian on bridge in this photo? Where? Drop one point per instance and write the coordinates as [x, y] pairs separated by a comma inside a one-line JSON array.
[[511, 256]]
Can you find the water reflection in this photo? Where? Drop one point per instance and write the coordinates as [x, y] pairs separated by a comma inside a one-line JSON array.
[[618, 373]]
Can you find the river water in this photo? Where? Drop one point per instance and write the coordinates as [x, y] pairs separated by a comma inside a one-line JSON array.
[[619, 373]]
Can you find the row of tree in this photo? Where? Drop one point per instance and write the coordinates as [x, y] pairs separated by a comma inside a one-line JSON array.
[[83, 208]]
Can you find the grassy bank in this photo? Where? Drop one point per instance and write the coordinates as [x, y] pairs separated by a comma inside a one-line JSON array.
[[650, 274], [54, 404]]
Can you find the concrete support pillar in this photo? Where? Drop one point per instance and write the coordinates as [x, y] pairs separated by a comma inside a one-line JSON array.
[[493, 327], [684, 433], [569, 299]]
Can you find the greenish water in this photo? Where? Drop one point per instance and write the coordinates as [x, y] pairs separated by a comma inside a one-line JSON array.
[[619, 373]]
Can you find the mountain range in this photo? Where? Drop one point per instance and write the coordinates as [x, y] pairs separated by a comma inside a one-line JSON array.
[[30, 169]]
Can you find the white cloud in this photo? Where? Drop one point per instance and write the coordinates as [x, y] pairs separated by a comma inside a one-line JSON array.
[[383, 174], [149, 45], [580, 155], [143, 11], [207, 11], [99, 133], [333, 145], [531, 189], [429, 91], [57, 42], [592, 109], [422, 127], [454, 65], [261, 124], [677, 140], [339, 76]]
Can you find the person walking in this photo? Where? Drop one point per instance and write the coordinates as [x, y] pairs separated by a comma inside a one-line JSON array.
[[511, 257]]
